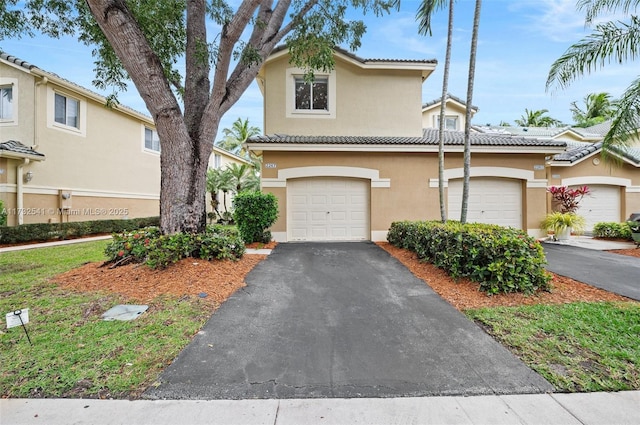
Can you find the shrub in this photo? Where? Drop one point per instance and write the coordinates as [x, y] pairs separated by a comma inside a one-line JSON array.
[[500, 259], [3, 214], [158, 251], [55, 231], [254, 213], [612, 230]]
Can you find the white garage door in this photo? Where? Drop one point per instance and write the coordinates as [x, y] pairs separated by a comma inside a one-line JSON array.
[[328, 209], [602, 204], [491, 200]]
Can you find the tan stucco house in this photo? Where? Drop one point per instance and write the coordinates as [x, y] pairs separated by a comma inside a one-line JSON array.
[[349, 154], [614, 182], [64, 156]]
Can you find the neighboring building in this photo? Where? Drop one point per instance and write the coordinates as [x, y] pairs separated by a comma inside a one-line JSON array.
[[614, 184], [348, 155], [65, 156], [455, 113]]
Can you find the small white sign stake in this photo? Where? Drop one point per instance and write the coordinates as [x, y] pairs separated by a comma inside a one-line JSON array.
[[19, 318]]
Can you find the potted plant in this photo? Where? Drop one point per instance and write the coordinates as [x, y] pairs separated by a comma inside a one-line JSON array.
[[565, 222]]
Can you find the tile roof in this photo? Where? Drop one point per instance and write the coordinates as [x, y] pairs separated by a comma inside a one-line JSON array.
[[449, 96], [578, 150], [365, 61], [28, 66], [429, 138], [17, 147]]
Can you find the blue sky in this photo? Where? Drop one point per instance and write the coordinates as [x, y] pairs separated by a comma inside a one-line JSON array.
[[518, 42]]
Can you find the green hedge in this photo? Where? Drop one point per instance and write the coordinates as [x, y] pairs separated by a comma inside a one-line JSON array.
[[500, 259], [254, 213], [612, 230], [158, 251], [57, 231]]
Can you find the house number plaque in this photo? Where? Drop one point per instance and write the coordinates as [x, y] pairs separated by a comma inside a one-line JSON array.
[[270, 165]]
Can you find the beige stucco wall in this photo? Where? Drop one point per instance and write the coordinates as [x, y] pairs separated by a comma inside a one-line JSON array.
[[368, 102], [410, 195], [430, 115], [596, 170]]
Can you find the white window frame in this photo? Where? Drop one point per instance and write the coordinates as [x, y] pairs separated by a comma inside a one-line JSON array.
[[10, 83], [144, 140], [292, 112], [81, 129], [456, 119], [217, 161]]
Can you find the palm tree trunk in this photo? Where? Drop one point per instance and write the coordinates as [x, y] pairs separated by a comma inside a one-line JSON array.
[[445, 89], [467, 124]]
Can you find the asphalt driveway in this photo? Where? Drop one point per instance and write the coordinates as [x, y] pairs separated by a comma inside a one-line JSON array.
[[340, 320], [615, 273]]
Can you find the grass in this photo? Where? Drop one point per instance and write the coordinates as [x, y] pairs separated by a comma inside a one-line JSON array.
[[75, 353], [577, 347]]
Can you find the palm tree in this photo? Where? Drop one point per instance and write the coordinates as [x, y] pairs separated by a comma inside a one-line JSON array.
[[426, 9], [235, 136], [598, 108], [467, 124], [537, 119], [217, 181], [612, 41], [243, 178]]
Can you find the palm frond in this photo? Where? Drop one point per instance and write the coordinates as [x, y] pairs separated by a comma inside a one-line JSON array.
[[611, 41], [425, 10], [595, 8], [625, 125]]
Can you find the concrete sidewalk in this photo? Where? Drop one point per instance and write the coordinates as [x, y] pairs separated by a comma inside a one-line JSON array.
[[561, 409]]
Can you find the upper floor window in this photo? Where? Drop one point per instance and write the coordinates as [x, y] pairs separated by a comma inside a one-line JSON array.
[[450, 122], [6, 103], [312, 100], [67, 111], [217, 161], [312, 96], [151, 140]]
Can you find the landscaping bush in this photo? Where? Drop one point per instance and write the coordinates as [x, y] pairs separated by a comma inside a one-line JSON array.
[[254, 213], [500, 259], [55, 231], [3, 214], [158, 251], [612, 230]]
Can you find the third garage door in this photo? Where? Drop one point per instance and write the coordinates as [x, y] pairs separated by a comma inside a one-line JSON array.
[[491, 200], [328, 208]]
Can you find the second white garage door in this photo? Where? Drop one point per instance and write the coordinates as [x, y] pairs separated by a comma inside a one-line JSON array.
[[491, 200], [328, 208], [601, 204]]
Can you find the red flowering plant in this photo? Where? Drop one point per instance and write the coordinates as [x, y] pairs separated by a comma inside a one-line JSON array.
[[568, 198]]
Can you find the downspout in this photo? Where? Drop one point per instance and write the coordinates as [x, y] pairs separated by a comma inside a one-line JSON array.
[[35, 144], [20, 191]]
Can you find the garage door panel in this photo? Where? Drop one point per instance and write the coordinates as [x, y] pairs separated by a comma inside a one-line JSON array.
[[602, 204], [328, 209], [491, 200]]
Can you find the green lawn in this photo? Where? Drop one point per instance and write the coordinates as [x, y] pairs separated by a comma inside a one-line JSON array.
[[75, 353], [578, 347]]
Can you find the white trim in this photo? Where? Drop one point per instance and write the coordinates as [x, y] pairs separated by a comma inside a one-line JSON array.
[[47, 190], [379, 235], [292, 112], [327, 171], [632, 189], [586, 180], [81, 130], [15, 107], [537, 184], [510, 173], [144, 135]]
